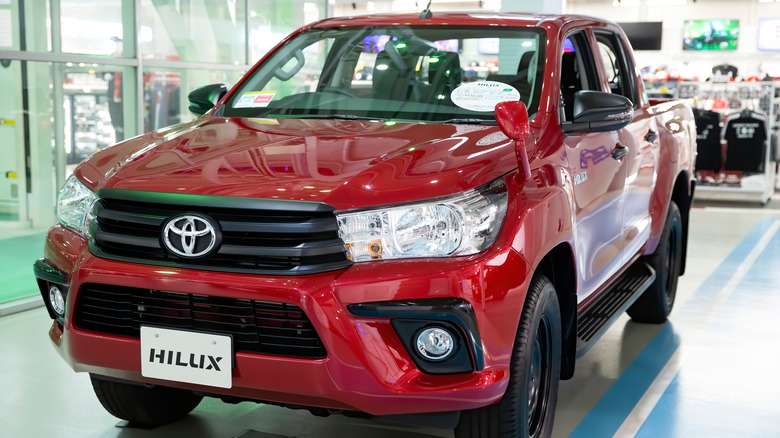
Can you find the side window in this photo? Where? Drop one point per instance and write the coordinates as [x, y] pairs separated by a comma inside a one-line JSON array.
[[578, 71], [616, 67]]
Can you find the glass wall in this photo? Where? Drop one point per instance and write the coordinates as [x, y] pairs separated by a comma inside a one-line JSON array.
[[164, 102], [271, 20], [195, 30], [77, 76], [92, 27], [94, 102]]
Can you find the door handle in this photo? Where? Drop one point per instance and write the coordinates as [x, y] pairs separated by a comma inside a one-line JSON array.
[[651, 136], [619, 152]]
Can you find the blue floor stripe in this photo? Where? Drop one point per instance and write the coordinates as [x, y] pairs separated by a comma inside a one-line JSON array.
[[617, 403], [719, 395]]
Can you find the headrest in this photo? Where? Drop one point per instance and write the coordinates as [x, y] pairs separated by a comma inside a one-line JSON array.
[[569, 70], [525, 61], [526, 70]]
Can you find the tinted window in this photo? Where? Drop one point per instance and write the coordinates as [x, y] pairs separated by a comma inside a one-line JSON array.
[[577, 71], [618, 74]]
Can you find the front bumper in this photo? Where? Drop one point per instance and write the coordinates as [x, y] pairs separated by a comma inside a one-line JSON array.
[[367, 368]]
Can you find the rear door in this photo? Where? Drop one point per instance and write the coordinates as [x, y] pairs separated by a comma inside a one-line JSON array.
[[599, 180], [640, 140]]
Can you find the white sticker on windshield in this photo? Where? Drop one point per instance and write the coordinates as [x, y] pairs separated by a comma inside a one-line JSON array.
[[484, 95], [255, 99]]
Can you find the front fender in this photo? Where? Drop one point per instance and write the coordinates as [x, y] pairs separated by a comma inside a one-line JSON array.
[[540, 215]]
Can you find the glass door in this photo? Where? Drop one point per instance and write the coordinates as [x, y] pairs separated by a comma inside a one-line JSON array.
[[13, 172]]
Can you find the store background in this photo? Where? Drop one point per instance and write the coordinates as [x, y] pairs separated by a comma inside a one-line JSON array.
[[79, 75], [674, 13]]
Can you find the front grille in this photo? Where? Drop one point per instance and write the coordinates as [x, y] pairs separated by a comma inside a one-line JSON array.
[[256, 326], [258, 236]]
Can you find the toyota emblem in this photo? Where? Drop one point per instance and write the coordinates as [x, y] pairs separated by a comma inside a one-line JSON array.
[[190, 236]]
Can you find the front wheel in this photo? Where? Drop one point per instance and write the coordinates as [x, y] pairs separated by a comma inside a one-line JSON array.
[[656, 302], [141, 405], [527, 408]]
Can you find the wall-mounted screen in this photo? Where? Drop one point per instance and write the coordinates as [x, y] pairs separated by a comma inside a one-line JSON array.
[[710, 34], [644, 35], [769, 34]]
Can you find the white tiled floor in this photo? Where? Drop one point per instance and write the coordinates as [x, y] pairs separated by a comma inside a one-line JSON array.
[[42, 397]]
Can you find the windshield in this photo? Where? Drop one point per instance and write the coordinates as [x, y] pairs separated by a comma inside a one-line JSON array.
[[405, 73]]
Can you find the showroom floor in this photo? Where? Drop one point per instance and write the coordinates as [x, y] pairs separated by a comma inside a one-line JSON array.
[[708, 372]]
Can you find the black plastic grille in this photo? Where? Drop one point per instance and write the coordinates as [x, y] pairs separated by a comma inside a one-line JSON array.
[[257, 236], [256, 326]]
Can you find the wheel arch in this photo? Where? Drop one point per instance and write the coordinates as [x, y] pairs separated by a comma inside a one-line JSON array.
[[558, 266], [682, 195]]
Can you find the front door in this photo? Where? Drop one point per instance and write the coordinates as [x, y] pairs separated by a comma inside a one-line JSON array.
[[640, 138], [599, 179]]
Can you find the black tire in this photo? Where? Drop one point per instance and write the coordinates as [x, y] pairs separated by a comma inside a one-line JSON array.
[[144, 406], [656, 303], [527, 409]]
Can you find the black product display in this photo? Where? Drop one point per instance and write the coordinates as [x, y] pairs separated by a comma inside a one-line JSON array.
[[726, 70], [745, 134], [708, 140]]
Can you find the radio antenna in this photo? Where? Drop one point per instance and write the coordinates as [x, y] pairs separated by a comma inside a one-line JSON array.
[[426, 13]]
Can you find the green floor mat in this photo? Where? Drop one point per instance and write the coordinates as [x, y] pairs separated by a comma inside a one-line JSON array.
[[17, 256]]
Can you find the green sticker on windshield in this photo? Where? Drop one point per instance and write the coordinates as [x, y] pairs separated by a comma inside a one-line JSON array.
[[255, 99]]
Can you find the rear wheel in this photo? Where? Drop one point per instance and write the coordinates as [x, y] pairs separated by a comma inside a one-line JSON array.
[[528, 406], [656, 302], [144, 406]]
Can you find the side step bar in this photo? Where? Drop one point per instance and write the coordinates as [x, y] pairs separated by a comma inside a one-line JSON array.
[[600, 315]]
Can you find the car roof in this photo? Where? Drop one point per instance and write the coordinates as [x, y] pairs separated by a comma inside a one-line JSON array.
[[511, 19]]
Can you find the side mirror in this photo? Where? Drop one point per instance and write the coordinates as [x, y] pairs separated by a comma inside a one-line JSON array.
[[596, 111], [512, 118], [204, 98]]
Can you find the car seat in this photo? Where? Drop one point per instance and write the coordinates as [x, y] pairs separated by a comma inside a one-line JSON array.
[[570, 83], [443, 76]]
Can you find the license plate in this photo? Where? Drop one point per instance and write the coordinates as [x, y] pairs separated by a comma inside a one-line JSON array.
[[191, 357]]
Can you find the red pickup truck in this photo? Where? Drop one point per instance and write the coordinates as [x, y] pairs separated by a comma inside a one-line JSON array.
[[379, 219]]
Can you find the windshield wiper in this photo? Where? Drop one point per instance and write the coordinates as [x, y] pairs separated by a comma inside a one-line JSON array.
[[471, 121], [337, 116]]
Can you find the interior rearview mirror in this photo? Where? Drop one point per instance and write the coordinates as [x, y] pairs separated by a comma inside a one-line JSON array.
[[597, 111], [204, 98]]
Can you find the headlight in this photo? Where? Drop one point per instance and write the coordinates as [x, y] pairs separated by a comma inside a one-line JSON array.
[[74, 205], [458, 225]]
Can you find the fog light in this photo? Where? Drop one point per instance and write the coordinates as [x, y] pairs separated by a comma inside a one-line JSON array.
[[435, 343], [57, 300]]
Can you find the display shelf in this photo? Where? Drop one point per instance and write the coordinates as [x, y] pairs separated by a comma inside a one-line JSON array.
[[731, 193], [728, 98]]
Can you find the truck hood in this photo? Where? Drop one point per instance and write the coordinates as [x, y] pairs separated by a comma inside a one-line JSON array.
[[347, 164]]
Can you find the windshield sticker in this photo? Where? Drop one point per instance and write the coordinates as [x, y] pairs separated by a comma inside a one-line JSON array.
[[264, 121], [484, 95], [255, 99]]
